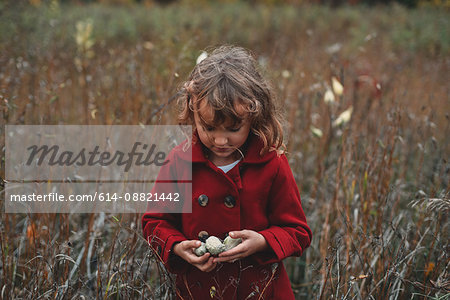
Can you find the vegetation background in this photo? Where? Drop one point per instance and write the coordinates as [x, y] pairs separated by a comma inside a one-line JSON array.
[[364, 87]]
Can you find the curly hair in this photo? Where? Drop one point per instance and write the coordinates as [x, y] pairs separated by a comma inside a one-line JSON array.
[[229, 77]]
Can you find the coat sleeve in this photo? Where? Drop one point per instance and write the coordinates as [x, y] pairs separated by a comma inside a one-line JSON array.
[[288, 233], [162, 229], [162, 234]]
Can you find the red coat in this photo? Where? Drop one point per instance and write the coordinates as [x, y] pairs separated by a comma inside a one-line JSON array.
[[265, 199]]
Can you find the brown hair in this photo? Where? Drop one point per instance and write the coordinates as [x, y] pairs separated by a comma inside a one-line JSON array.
[[227, 77]]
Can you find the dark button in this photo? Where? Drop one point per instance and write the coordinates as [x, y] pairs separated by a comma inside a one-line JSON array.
[[229, 201], [203, 235], [203, 200]]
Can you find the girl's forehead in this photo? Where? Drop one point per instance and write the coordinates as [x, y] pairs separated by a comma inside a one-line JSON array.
[[207, 112]]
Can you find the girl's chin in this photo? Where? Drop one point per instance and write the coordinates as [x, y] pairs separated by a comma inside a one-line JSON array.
[[224, 154]]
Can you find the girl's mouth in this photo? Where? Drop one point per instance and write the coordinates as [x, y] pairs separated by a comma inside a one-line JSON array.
[[222, 149]]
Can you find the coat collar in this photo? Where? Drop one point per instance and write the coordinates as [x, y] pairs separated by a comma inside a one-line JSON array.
[[251, 150]]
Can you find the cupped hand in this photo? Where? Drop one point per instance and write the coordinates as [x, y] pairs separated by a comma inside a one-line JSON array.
[[252, 242], [185, 250]]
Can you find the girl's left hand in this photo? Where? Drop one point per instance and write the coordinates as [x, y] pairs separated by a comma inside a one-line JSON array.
[[252, 242]]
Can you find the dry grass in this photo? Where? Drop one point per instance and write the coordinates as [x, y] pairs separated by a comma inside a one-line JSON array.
[[375, 188]]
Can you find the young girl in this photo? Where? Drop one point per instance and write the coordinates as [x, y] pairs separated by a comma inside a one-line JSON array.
[[242, 186]]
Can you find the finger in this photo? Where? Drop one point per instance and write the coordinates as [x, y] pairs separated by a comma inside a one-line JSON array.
[[200, 260], [191, 244], [239, 249], [209, 269], [208, 266], [238, 234], [227, 259]]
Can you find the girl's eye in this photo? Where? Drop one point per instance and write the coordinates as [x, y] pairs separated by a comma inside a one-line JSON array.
[[235, 129], [208, 128]]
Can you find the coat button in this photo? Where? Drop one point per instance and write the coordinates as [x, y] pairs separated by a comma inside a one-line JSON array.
[[229, 201], [203, 235], [203, 200]]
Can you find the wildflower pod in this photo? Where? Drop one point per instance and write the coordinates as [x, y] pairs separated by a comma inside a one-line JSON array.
[[214, 245], [203, 236], [316, 131], [338, 88], [344, 117], [328, 97], [201, 57], [201, 250], [229, 242]]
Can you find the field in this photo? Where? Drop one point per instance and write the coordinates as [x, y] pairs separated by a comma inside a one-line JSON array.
[[371, 160]]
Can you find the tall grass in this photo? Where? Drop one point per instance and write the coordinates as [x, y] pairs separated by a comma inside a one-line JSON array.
[[374, 186]]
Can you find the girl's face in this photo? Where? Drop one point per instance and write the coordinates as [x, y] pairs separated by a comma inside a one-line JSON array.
[[222, 140]]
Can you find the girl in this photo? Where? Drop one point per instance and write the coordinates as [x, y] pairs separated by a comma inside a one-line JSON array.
[[242, 185]]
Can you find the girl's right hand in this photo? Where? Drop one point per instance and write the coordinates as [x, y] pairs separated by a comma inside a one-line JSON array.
[[185, 250]]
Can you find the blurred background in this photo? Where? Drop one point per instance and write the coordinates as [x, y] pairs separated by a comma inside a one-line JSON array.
[[364, 89]]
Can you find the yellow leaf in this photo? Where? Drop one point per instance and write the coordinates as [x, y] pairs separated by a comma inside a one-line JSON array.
[[31, 232], [212, 291], [429, 268]]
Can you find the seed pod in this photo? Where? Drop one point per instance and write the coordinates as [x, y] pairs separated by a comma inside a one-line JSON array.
[[203, 236], [229, 242], [200, 250], [214, 245]]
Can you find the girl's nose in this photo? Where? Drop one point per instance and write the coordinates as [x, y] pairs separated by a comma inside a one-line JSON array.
[[220, 141]]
